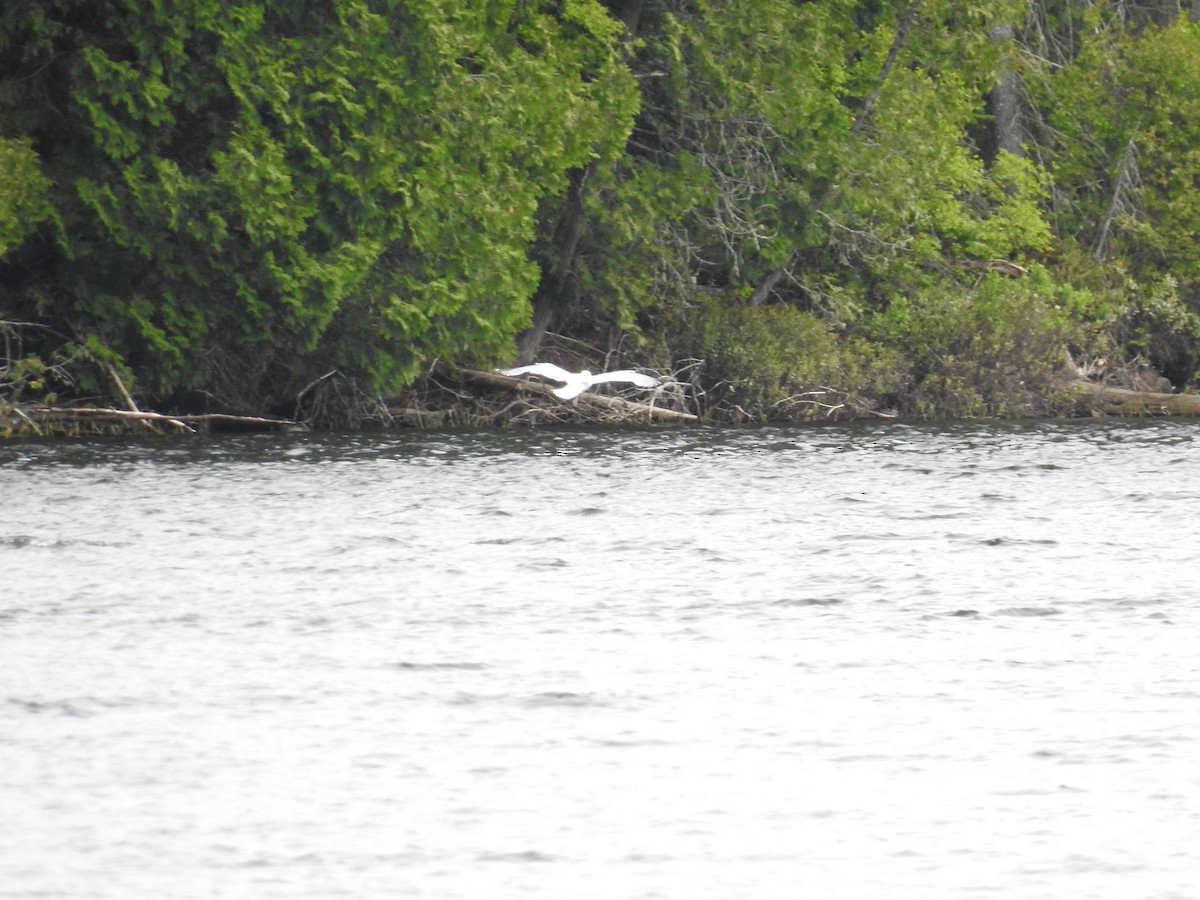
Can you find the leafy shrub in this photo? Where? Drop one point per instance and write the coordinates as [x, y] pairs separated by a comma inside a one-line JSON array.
[[773, 362], [996, 350], [1158, 326]]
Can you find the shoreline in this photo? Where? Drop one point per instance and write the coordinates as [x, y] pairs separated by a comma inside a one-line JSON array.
[[501, 402]]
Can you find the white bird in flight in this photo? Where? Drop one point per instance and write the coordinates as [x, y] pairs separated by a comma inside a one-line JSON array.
[[575, 383]]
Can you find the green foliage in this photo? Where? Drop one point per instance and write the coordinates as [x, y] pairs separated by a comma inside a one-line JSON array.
[[780, 361], [1157, 325], [910, 189], [1125, 163], [997, 349], [1127, 119], [26, 375], [632, 241], [822, 141], [23, 190], [737, 103], [21, 376], [248, 194], [241, 197]]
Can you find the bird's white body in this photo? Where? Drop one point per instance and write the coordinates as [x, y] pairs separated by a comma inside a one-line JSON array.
[[575, 383]]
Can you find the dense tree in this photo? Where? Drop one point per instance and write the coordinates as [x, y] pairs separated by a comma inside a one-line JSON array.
[[22, 192], [1119, 110], [243, 197], [247, 194], [795, 150]]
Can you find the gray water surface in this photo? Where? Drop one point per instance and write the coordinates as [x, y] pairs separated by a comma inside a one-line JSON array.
[[911, 663]]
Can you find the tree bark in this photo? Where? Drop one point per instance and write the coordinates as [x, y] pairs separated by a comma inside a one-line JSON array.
[[1009, 134], [1124, 187], [763, 290], [903, 25], [551, 294], [630, 13]]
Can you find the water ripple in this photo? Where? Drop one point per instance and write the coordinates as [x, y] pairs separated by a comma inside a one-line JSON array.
[[614, 663]]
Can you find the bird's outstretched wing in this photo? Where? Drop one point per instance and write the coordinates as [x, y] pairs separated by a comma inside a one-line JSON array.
[[546, 370], [643, 381]]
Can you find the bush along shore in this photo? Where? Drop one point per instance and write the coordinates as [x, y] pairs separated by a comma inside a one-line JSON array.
[[343, 216], [813, 381]]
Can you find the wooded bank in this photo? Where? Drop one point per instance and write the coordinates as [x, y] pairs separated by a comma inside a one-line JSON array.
[[493, 400], [311, 212]]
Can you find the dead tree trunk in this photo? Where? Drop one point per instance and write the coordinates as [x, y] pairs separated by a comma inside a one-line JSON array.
[[1125, 184], [552, 292], [1008, 131], [903, 26]]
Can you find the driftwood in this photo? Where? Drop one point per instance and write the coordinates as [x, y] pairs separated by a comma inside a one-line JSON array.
[[1114, 401], [46, 413], [133, 407], [617, 404]]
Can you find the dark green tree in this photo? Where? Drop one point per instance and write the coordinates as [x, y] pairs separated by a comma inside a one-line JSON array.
[[23, 191], [245, 195]]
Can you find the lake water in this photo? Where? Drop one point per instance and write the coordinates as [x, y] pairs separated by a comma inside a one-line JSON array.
[[884, 662]]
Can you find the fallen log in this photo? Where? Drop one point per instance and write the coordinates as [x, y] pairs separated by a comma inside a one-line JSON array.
[[1115, 401], [616, 404], [46, 413]]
